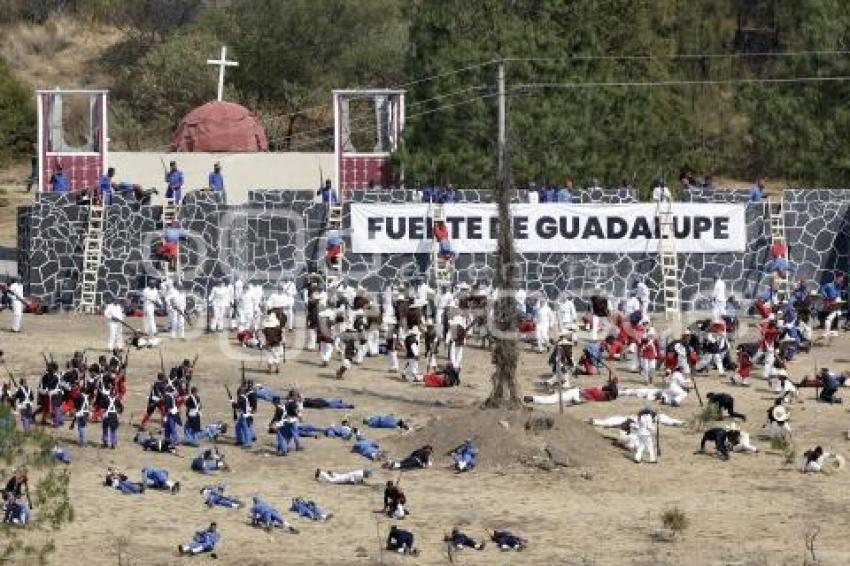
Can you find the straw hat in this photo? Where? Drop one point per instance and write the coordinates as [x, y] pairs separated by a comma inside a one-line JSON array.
[[780, 414]]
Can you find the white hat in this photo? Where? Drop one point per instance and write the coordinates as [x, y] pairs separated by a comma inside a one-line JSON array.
[[780, 414]]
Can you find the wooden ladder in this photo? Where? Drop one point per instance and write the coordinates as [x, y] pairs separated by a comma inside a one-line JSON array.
[[669, 261], [92, 259], [776, 214], [443, 269]]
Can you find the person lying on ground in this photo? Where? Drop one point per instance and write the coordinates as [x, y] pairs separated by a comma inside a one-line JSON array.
[[349, 478], [154, 443], [617, 421], [319, 403], [465, 456], [386, 421], [202, 541], [459, 540], [505, 540], [813, 460], [309, 509], [209, 460], [418, 459], [401, 541], [215, 496], [367, 448], [264, 515], [122, 482], [157, 478]]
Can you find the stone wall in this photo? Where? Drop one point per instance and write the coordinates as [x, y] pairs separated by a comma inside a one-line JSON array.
[[281, 232]]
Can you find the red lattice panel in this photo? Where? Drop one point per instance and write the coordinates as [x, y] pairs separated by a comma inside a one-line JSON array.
[[356, 171], [83, 171]]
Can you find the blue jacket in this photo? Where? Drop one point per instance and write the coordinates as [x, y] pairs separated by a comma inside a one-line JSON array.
[[830, 291], [208, 539], [216, 182], [60, 183], [174, 179]]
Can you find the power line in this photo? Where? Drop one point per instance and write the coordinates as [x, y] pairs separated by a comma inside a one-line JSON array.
[[680, 56], [676, 82]]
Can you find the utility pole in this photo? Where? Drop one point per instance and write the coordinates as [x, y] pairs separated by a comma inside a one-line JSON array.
[[502, 130]]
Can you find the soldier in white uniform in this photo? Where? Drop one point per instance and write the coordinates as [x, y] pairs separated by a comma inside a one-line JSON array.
[[114, 313], [16, 296], [150, 300], [645, 437], [719, 299], [164, 291], [642, 293], [567, 315], [176, 299], [220, 301], [544, 320], [289, 292], [238, 288]]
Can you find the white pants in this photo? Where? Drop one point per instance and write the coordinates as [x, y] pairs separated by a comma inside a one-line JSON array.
[[719, 309], [169, 316], [326, 350], [372, 339], [648, 393], [777, 429], [149, 325], [617, 421], [541, 336], [17, 315], [311, 338], [274, 355], [595, 327], [357, 476], [745, 445], [178, 325], [570, 397], [217, 322], [290, 317], [360, 353], [411, 370], [635, 357], [830, 320], [708, 360], [814, 465], [393, 357], [116, 335], [647, 369], [456, 355], [644, 443], [769, 359], [673, 396]]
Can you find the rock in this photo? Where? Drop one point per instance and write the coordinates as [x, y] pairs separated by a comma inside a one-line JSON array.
[[537, 423], [505, 425], [361, 552], [558, 456]]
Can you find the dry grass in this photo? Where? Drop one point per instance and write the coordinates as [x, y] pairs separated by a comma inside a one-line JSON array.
[[56, 53]]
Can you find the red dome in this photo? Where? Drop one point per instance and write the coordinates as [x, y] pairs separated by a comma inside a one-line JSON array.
[[220, 127]]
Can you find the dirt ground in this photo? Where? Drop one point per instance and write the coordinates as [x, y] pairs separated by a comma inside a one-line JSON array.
[[752, 510]]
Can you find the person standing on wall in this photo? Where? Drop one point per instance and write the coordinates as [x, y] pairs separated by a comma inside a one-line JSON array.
[[174, 183], [216, 182]]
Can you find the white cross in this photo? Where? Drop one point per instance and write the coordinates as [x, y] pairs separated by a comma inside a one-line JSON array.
[[222, 63]]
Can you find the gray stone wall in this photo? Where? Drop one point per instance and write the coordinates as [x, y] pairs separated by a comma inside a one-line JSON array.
[[282, 232]]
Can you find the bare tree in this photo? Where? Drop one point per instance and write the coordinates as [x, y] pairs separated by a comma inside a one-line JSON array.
[[505, 353]]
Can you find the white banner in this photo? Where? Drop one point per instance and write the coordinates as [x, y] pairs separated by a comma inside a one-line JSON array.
[[550, 227]]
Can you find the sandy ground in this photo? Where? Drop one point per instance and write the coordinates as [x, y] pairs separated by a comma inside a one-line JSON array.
[[750, 510]]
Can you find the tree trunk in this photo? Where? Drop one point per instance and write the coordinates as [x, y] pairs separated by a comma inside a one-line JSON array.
[[505, 353]]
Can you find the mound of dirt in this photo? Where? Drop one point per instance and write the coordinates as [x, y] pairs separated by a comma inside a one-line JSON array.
[[506, 438]]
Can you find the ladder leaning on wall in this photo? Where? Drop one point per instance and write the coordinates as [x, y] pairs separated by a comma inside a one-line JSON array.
[[92, 258], [443, 269], [776, 215], [332, 274], [668, 259]]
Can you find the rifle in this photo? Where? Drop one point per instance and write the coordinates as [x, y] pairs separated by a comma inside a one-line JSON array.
[[696, 389], [9, 372], [46, 361], [815, 376], [29, 499], [658, 435], [243, 374], [161, 362], [232, 404]]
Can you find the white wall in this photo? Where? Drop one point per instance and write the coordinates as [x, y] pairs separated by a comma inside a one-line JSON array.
[[242, 171]]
